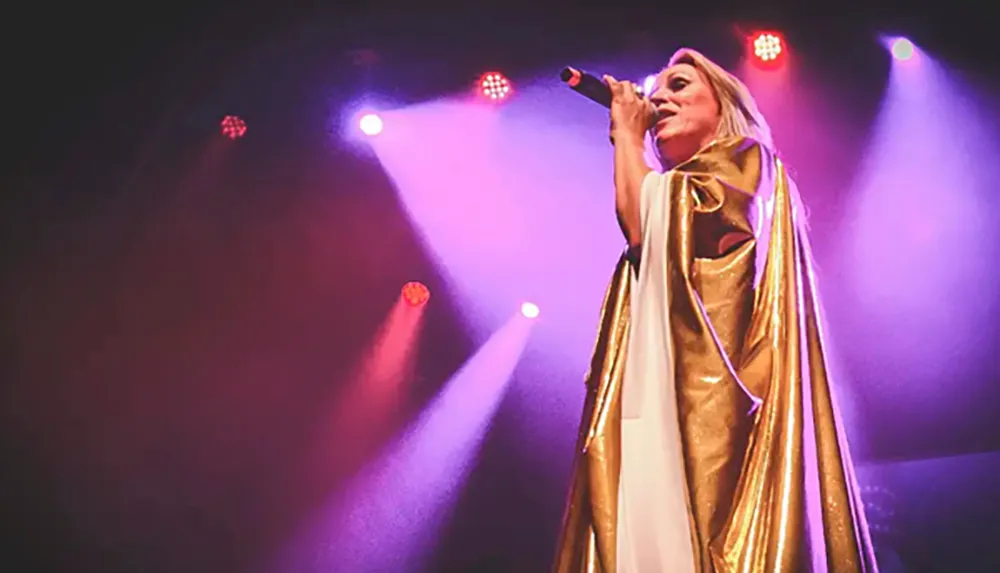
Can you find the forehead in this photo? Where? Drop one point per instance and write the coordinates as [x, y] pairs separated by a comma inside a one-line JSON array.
[[684, 70]]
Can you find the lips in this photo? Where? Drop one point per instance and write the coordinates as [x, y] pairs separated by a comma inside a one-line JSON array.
[[663, 117]]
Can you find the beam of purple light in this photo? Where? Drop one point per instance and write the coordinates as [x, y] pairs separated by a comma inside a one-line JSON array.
[[917, 236], [517, 204], [514, 202], [388, 519]]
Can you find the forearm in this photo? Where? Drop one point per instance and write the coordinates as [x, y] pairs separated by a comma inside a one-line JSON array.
[[630, 171]]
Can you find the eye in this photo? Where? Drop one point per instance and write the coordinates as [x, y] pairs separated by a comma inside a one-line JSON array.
[[677, 84]]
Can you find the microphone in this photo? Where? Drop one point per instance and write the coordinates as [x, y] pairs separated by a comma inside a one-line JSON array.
[[590, 86], [587, 85]]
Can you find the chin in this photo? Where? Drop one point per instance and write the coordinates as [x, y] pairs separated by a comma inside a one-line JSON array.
[[671, 155]]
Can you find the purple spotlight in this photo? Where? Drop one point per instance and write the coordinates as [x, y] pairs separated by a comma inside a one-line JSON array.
[[902, 49], [370, 124]]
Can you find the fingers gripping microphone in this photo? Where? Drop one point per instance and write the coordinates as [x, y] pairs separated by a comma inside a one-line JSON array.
[[587, 85]]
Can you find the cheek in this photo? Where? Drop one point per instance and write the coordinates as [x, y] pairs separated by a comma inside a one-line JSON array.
[[706, 110]]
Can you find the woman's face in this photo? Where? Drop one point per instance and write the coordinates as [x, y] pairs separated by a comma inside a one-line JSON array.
[[688, 113]]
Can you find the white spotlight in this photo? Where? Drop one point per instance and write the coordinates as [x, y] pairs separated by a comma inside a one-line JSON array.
[[370, 124], [529, 310]]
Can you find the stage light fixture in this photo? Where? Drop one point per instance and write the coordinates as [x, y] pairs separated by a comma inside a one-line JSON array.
[[370, 124], [415, 293], [233, 127], [901, 49], [494, 86], [529, 310], [768, 48]]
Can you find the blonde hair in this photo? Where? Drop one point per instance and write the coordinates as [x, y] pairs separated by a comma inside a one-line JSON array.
[[739, 115], [738, 112]]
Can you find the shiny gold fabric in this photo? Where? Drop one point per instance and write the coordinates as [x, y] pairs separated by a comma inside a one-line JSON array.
[[753, 392]]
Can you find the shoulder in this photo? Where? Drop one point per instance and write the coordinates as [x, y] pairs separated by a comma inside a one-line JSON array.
[[737, 162], [731, 150]]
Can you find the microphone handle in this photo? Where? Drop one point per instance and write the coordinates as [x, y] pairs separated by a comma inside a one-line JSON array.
[[587, 85]]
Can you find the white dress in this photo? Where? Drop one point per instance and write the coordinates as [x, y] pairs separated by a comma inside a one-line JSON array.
[[654, 533]]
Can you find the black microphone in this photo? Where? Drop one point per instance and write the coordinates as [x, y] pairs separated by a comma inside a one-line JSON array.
[[587, 85]]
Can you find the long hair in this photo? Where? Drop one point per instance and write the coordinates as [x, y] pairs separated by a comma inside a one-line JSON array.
[[738, 113]]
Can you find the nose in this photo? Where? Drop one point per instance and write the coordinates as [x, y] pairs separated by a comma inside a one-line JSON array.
[[665, 109], [664, 102]]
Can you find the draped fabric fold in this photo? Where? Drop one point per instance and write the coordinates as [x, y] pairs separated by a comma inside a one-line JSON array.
[[770, 483]]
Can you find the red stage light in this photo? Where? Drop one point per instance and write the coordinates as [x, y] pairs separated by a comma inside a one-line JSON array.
[[768, 48], [415, 293], [494, 86], [233, 127]]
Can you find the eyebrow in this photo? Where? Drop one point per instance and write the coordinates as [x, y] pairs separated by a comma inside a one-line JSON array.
[[676, 73]]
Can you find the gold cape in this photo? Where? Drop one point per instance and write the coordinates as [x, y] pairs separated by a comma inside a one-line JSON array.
[[734, 344]]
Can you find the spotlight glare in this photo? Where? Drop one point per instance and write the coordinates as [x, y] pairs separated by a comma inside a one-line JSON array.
[[768, 48], [902, 49], [647, 85], [494, 86], [529, 310], [370, 124], [233, 127], [415, 293]]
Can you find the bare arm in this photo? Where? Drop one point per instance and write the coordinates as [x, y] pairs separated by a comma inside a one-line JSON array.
[[630, 171], [631, 116]]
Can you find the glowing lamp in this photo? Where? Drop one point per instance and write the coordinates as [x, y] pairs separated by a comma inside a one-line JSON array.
[[233, 127], [768, 48], [415, 293], [901, 49], [370, 124], [529, 310], [494, 86]]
